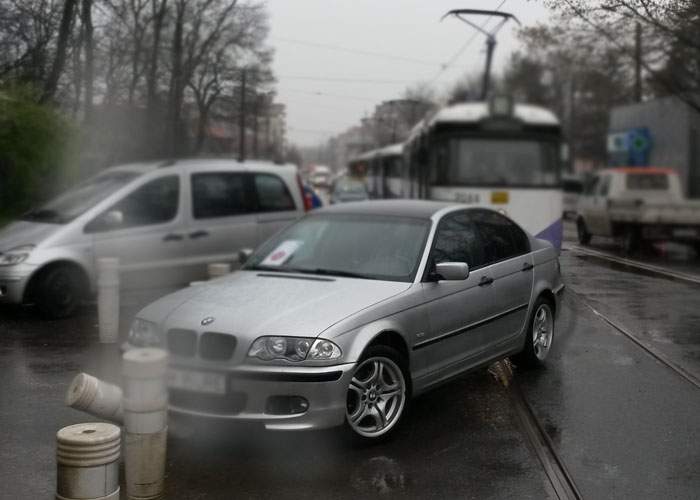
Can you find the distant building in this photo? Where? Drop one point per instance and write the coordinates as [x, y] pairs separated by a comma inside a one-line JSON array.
[[662, 132]]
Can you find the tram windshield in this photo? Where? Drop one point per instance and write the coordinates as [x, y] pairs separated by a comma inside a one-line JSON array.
[[469, 161]]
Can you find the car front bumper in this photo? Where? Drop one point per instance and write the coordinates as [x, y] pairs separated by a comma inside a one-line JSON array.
[[249, 391], [13, 283]]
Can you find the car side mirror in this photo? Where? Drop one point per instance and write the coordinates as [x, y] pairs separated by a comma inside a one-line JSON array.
[[113, 219], [452, 271], [244, 254]]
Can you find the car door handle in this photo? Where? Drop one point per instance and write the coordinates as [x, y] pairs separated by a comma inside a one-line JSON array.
[[527, 266], [173, 237], [485, 281], [199, 234]]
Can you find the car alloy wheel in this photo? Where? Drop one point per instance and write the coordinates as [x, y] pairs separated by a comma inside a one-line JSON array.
[[376, 397], [542, 331]]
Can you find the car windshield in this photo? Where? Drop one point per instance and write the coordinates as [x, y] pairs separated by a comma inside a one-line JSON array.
[[647, 182], [496, 162], [350, 186], [75, 202], [362, 246]]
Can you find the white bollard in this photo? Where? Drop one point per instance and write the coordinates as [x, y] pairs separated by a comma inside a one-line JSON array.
[[96, 397], [145, 422], [108, 299], [218, 270], [87, 459]]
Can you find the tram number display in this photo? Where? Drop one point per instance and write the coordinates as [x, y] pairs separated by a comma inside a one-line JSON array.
[[468, 198]]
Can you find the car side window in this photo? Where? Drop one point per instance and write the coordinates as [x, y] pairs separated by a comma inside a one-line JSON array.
[[219, 194], [502, 238], [156, 202], [457, 240], [273, 195]]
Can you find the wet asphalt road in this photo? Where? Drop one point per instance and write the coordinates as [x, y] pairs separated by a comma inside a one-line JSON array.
[[625, 425]]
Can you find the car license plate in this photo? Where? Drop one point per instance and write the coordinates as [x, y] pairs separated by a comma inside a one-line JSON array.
[[685, 233], [187, 380]]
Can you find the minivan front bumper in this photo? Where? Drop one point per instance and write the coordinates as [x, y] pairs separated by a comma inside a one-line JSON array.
[[13, 283]]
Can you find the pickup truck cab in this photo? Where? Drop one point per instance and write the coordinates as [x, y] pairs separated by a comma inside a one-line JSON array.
[[637, 205], [164, 221]]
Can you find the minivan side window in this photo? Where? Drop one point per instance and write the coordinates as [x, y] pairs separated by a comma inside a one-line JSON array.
[[502, 238], [457, 240], [156, 202], [219, 194], [273, 195]]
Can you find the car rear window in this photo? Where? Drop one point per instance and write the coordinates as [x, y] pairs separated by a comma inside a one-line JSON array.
[[647, 181]]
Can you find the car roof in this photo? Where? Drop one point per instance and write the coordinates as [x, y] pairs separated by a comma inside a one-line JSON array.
[[420, 209], [195, 163], [640, 170]]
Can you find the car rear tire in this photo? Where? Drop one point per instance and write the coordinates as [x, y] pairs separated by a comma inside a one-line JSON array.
[[59, 292], [377, 396], [540, 336], [584, 237]]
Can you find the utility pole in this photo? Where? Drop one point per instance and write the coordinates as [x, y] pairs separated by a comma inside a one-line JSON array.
[[242, 119], [638, 62]]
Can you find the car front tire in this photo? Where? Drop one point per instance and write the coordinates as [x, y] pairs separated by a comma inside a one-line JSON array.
[[59, 292], [377, 396], [540, 335]]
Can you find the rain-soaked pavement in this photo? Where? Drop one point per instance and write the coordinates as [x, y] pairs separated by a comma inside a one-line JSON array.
[[625, 425]]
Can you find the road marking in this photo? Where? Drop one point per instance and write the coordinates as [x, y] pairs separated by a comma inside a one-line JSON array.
[[692, 278]]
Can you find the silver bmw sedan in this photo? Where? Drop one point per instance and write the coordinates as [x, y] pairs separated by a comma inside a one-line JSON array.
[[343, 316]]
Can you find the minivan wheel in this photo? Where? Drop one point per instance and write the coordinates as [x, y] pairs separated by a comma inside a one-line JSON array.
[[540, 336], [59, 292], [377, 394], [584, 237]]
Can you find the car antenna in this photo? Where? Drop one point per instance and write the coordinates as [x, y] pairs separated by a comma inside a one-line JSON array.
[[490, 36]]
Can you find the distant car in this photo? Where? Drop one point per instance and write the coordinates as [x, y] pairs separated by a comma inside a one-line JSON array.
[[344, 315], [164, 221], [638, 205], [346, 189]]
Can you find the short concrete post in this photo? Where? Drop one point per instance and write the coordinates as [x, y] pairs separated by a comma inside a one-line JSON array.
[[145, 422], [87, 457], [108, 299], [96, 397], [218, 270]]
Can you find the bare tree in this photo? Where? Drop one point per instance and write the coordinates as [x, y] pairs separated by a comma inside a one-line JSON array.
[[59, 61]]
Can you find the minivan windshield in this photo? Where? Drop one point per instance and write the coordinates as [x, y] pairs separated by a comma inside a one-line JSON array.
[[359, 246], [75, 202]]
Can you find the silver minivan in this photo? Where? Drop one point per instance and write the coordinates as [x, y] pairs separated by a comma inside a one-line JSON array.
[[165, 221]]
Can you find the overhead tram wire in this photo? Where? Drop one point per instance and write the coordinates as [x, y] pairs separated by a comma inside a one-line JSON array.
[[345, 80], [318, 93], [357, 51], [464, 47]]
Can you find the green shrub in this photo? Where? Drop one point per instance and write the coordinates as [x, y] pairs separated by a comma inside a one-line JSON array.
[[37, 146]]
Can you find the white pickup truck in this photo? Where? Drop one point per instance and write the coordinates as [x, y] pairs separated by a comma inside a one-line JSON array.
[[638, 205]]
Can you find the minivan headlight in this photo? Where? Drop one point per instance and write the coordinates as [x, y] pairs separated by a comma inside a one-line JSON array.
[[144, 334], [293, 349], [15, 256]]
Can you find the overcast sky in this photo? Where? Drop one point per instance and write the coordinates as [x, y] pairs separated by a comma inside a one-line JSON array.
[[307, 36]]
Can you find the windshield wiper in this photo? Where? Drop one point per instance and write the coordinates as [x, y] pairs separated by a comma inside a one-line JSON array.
[[306, 270], [327, 272]]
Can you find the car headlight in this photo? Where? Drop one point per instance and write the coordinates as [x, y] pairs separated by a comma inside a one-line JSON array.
[[144, 334], [15, 255], [294, 349]]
